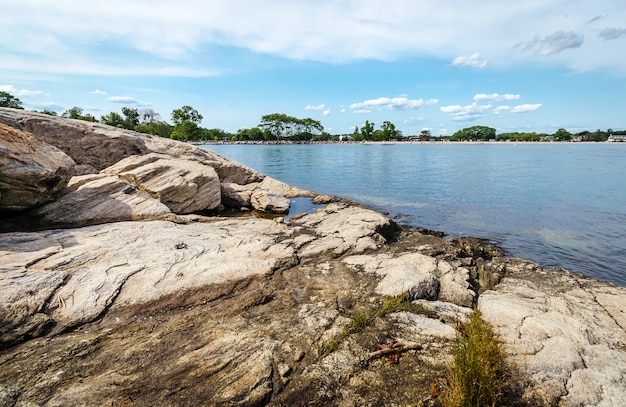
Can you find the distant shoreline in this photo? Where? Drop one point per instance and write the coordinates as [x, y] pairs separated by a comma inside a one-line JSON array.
[[286, 142]]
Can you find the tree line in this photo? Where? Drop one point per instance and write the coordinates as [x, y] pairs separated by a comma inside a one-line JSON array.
[[484, 133], [279, 126]]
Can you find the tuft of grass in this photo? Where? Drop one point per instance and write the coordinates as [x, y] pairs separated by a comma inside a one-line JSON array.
[[362, 318], [359, 320], [333, 344], [476, 377], [400, 303]]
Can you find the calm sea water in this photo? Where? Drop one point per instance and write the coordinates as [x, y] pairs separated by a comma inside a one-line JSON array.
[[560, 205]]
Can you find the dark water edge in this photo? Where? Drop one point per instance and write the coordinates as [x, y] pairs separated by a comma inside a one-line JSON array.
[[559, 205]]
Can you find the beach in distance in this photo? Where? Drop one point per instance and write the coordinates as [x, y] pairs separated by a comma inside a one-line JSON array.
[[559, 204]]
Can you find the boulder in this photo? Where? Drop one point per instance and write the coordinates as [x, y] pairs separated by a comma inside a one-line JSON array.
[[346, 229], [269, 202], [95, 199], [184, 186], [97, 146], [87, 143], [235, 195], [32, 172], [411, 273], [455, 287]]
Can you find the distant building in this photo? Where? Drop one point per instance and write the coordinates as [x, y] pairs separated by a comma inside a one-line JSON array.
[[616, 138]]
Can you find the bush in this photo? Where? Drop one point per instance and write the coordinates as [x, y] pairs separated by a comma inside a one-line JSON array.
[[476, 377]]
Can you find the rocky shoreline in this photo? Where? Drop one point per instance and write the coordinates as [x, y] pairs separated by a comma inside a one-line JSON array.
[[122, 284]]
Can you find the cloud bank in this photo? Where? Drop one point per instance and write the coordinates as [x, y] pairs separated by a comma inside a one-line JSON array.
[[61, 36], [465, 113], [495, 97], [397, 103], [19, 92]]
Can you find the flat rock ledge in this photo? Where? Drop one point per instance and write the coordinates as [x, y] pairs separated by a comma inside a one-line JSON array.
[[145, 305]]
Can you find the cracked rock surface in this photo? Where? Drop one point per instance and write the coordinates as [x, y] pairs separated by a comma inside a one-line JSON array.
[[565, 334]]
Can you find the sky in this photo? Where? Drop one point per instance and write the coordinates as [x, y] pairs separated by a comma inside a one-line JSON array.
[[437, 65]]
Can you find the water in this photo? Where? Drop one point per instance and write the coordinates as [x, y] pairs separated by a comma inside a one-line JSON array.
[[560, 205]]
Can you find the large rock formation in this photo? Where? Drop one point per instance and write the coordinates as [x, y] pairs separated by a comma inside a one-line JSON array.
[[146, 177], [184, 186], [149, 306], [31, 171]]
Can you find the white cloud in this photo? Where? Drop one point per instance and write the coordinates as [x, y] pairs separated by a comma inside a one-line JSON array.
[[465, 113], [525, 108], [398, 103], [500, 109], [495, 97], [315, 107], [560, 41], [129, 100], [612, 33], [473, 60], [362, 111], [517, 109], [97, 92], [19, 92], [326, 112]]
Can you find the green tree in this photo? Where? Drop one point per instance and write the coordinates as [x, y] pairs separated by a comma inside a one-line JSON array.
[[131, 117], [425, 133], [280, 125], [186, 124], [112, 119], [474, 133], [186, 130], [254, 133], [156, 128], [77, 113], [186, 113], [8, 100], [73, 113], [389, 131], [214, 134], [49, 112], [562, 135], [367, 130]]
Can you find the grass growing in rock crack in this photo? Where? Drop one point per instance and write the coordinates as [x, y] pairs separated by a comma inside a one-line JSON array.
[[400, 303], [362, 318], [476, 377]]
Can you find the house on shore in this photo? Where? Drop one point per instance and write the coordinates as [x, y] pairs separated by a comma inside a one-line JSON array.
[[616, 138]]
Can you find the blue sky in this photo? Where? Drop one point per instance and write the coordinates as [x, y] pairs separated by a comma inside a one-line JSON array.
[[440, 65]]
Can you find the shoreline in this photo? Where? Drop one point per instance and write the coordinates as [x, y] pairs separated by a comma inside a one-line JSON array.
[[287, 142]]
